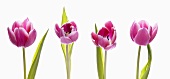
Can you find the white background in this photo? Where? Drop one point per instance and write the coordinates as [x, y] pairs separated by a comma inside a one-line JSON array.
[[121, 62]]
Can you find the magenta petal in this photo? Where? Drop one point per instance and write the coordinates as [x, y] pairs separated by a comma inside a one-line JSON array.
[[12, 36], [73, 35], [58, 31], [154, 32], [103, 42], [103, 32], [21, 36], [66, 40], [142, 37], [29, 27], [134, 29], [16, 24], [25, 22], [31, 38], [109, 25], [67, 27], [113, 39], [74, 24], [110, 47], [143, 24], [94, 38]]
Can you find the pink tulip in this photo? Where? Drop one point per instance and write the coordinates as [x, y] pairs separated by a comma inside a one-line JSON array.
[[22, 34], [142, 33], [67, 33], [106, 36]]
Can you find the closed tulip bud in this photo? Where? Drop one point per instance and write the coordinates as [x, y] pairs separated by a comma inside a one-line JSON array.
[[142, 33], [22, 34]]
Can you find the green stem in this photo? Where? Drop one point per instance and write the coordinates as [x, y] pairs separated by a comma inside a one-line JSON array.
[[24, 62], [68, 62], [105, 64], [138, 60]]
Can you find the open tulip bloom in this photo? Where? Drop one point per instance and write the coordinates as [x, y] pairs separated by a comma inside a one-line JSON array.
[[105, 38], [142, 34], [68, 34], [23, 35]]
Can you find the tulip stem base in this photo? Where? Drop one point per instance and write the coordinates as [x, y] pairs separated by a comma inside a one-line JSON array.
[[138, 60], [24, 62], [105, 64]]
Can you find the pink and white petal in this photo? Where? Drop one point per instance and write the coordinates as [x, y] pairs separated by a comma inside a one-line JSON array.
[[134, 29], [66, 40], [57, 28], [29, 27], [12, 36], [24, 23], [109, 25], [16, 24], [58, 31], [110, 46], [154, 32], [150, 31], [73, 35], [95, 42], [31, 38], [142, 37], [21, 36], [103, 32], [113, 39], [111, 33], [94, 36], [143, 24], [103, 42], [74, 24]]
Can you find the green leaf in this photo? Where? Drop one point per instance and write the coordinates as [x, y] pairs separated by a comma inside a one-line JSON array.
[[96, 29], [36, 58], [64, 17], [100, 60], [146, 69]]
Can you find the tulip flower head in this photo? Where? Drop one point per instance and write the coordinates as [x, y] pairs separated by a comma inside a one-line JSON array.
[[22, 34], [106, 36], [142, 33], [67, 33]]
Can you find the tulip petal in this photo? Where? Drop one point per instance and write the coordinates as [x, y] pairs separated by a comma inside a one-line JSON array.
[[21, 36], [104, 42], [110, 46], [94, 38], [74, 24], [154, 32], [113, 39], [24, 23], [67, 27], [143, 24], [58, 31], [73, 35], [103, 32], [134, 30], [31, 38], [12, 36], [29, 27], [109, 25], [16, 24], [65, 40], [142, 37]]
